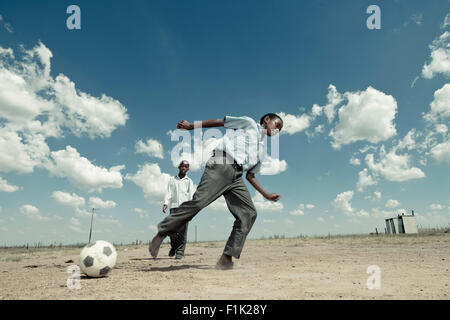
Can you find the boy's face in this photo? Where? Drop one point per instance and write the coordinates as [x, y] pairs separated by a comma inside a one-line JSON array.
[[183, 167], [273, 126]]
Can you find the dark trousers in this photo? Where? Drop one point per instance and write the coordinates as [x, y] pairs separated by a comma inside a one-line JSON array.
[[178, 239], [218, 179]]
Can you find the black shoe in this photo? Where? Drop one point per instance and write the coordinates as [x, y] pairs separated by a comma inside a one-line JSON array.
[[171, 252]]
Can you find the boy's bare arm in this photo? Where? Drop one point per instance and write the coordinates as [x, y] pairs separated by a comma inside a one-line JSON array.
[[204, 124], [269, 196]]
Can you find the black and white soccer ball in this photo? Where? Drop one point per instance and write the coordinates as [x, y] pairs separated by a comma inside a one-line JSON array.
[[97, 259]]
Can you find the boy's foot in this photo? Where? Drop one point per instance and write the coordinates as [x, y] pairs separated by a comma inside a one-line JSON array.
[[179, 256], [172, 252], [153, 248], [225, 263]]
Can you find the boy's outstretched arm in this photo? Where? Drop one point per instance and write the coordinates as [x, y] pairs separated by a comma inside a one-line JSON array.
[[204, 124], [269, 196]]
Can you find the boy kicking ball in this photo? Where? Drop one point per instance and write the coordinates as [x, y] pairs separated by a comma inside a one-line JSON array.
[[223, 177]]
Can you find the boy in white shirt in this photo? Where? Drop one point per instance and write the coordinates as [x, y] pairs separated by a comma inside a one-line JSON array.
[[179, 189], [239, 151]]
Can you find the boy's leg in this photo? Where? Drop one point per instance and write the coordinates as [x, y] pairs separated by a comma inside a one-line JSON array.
[[240, 204], [183, 234], [216, 179], [173, 242]]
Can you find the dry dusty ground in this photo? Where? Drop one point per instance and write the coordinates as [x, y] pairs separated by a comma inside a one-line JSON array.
[[412, 267]]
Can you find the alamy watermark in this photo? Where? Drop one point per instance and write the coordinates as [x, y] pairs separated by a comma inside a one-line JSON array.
[[374, 20], [73, 281], [74, 20], [374, 280]]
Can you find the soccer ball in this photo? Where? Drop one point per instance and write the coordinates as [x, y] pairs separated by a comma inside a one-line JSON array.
[[98, 258]]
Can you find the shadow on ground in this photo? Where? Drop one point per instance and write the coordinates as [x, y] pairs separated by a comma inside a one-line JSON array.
[[175, 268]]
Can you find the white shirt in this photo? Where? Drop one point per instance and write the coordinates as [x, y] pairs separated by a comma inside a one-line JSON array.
[[179, 191], [243, 141]]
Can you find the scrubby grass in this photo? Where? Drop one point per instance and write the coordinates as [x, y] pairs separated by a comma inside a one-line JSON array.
[[12, 253], [11, 259]]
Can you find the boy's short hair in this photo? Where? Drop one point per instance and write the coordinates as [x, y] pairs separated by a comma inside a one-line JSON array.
[[271, 116], [184, 161]]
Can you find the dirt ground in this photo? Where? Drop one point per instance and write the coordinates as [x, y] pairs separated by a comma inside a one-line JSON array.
[[411, 267]]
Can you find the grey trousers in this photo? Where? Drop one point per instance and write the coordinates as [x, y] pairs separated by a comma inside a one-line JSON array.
[[218, 179]]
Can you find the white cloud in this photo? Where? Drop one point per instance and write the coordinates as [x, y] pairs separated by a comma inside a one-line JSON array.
[[436, 206], [75, 222], [95, 202], [440, 56], [441, 152], [376, 196], [67, 199], [356, 118], [299, 211], [440, 106], [320, 219], [446, 22], [272, 166], [8, 27], [365, 180], [34, 106], [392, 204], [32, 212], [293, 124], [383, 214], [151, 180], [265, 205], [362, 213], [394, 167], [343, 205], [319, 129], [82, 173], [334, 98], [152, 148], [80, 212], [6, 187], [342, 202], [310, 206], [367, 148], [355, 161], [413, 83], [415, 18], [102, 219], [141, 213], [21, 87], [96, 117], [21, 154], [74, 225], [316, 110], [441, 129], [408, 142]]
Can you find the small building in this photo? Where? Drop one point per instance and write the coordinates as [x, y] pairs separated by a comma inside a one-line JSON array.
[[402, 224]]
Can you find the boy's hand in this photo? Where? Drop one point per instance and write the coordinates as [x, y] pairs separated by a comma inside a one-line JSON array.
[[273, 197], [183, 124], [164, 208]]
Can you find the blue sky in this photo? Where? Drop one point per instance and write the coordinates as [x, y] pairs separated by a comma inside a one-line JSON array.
[[84, 114]]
